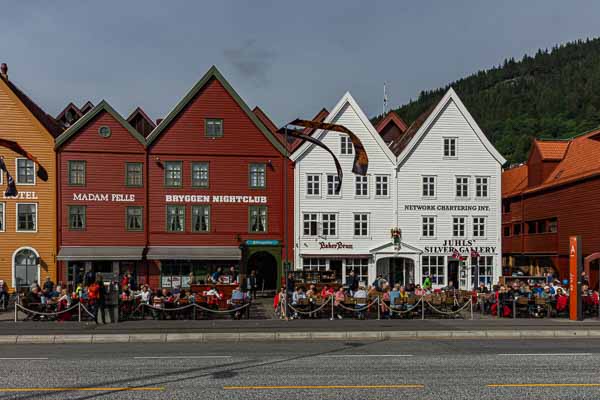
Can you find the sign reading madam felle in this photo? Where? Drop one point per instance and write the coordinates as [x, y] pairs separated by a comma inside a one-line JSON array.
[[215, 198], [104, 197], [462, 246]]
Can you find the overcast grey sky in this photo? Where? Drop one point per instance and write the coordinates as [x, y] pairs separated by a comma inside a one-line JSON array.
[[290, 58]]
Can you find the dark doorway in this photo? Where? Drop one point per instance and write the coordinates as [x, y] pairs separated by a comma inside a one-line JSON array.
[[453, 273], [265, 266], [402, 271]]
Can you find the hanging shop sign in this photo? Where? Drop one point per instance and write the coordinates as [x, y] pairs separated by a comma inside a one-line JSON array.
[[461, 246], [262, 242], [21, 196], [104, 197], [214, 198], [445, 207], [335, 245]]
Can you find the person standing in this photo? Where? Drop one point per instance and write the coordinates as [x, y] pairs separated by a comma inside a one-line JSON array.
[[352, 282], [252, 284]]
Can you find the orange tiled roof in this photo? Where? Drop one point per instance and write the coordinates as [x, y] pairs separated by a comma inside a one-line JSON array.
[[514, 180], [552, 149]]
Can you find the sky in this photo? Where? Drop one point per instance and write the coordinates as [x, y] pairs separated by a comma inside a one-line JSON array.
[[289, 58]]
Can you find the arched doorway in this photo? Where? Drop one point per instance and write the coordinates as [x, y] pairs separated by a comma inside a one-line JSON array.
[[26, 267], [397, 270], [265, 265]]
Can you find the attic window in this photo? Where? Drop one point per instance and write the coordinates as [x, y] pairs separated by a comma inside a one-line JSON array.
[[213, 127], [104, 131]]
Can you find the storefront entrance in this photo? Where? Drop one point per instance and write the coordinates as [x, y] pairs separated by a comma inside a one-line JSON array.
[[397, 270], [453, 266], [265, 265]]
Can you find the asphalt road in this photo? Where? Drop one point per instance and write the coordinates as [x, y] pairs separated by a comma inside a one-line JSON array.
[[460, 369]]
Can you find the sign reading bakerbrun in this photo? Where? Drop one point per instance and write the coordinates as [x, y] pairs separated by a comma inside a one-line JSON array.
[[214, 198]]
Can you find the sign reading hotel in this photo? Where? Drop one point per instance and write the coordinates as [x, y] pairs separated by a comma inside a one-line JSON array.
[[215, 198], [21, 196], [104, 197], [462, 246]]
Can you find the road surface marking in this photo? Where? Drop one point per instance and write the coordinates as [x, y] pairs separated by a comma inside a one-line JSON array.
[[408, 386], [85, 389], [530, 385], [547, 354], [24, 358], [364, 355], [176, 357]]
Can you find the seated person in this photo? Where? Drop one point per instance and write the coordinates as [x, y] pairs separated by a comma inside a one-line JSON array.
[[361, 297], [298, 296], [327, 291], [312, 291], [394, 294], [419, 291], [215, 276], [238, 296], [213, 296], [339, 298], [562, 300]]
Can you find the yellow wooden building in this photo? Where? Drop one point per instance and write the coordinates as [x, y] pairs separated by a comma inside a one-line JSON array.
[[28, 221]]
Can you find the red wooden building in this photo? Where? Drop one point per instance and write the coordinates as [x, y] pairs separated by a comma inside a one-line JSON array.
[[216, 175], [102, 190], [551, 197]]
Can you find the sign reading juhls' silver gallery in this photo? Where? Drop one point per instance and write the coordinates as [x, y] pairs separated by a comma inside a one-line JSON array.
[[438, 183]]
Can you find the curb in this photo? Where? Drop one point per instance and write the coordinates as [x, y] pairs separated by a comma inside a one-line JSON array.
[[295, 336]]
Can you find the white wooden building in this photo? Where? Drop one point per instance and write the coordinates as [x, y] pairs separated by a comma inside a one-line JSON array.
[[438, 184]]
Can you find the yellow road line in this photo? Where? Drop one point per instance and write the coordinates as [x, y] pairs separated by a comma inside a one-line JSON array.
[[409, 386], [85, 389], [544, 385]]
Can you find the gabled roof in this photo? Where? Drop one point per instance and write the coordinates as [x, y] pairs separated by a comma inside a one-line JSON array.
[[514, 180], [81, 122], [428, 120], [346, 99], [213, 73], [40, 115], [139, 113], [552, 150], [264, 118], [69, 107], [398, 145], [86, 107], [389, 135]]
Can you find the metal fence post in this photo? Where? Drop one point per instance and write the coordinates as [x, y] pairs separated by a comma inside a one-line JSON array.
[[514, 308], [471, 309], [332, 307], [79, 311], [16, 310], [422, 308], [378, 309]]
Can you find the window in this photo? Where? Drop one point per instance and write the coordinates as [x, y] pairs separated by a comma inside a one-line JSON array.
[[531, 227], [310, 224], [213, 127], [332, 181], [173, 173], [553, 225], [360, 266], [135, 218], [258, 219], [329, 224], [433, 266], [428, 226], [361, 224], [76, 171], [258, 176], [314, 264], [313, 185], [485, 264], [26, 217], [382, 186], [481, 187], [429, 186], [507, 231], [26, 268], [175, 218], [25, 171], [516, 229], [345, 145], [77, 217], [200, 218], [104, 131], [462, 186], [200, 174], [450, 147], [134, 174], [506, 206], [361, 184], [458, 226], [2, 217], [479, 227]]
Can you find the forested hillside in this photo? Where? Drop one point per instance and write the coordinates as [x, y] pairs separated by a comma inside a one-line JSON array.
[[553, 94]]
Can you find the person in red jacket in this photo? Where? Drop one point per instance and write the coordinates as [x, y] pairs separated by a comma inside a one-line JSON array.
[[562, 300]]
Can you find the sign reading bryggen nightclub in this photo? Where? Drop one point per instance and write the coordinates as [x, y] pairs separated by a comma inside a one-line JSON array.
[[429, 205]]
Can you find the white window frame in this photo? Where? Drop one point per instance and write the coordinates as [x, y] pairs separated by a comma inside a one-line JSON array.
[[3, 216], [423, 177], [387, 186], [318, 185], [316, 221], [357, 264], [434, 227], [487, 187], [484, 218], [361, 196], [314, 264], [368, 225], [327, 185], [14, 266], [456, 185], [450, 139], [444, 268], [37, 218], [348, 145], [17, 172], [322, 224], [464, 229]]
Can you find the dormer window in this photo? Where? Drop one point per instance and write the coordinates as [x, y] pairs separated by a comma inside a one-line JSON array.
[[214, 127]]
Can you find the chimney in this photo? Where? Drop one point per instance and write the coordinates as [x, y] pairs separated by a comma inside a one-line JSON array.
[[158, 121], [4, 71]]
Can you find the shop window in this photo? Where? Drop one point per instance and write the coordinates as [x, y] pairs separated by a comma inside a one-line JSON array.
[[479, 227], [25, 171], [173, 170], [310, 224], [26, 217], [516, 229], [213, 127], [76, 171], [360, 266], [458, 227], [332, 181], [381, 186], [428, 226], [329, 225], [345, 145], [135, 218], [433, 266], [507, 231], [200, 218], [462, 187], [361, 184], [26, 268], [313, 185], [361, 225], [258, 219], [134, 174], [175, 218], [481, 187], [485, 264], [2, 218], [258, 176], [200, 174], [314, 264], [429, 186], [77, 217]]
